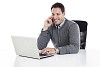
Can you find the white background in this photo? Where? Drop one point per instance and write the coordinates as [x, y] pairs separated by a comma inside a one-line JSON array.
[[26, 18]]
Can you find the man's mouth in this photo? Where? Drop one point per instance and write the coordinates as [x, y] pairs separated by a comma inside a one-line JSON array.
[[55, 20]]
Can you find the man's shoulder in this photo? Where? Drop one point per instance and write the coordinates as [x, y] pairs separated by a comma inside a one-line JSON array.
[[69, 22]]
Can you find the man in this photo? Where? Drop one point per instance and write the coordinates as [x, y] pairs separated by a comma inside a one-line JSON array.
[[63, 33]]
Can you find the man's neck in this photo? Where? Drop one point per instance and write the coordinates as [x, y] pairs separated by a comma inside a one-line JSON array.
[[59, 25]]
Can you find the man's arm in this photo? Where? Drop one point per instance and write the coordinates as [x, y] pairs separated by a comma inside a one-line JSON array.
[[44, 36], [43, 39], [74, 38]]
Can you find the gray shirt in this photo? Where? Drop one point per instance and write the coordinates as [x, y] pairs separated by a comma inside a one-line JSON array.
[[66, 38]]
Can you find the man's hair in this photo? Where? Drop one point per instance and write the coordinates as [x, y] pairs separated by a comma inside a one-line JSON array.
[[58, 5]]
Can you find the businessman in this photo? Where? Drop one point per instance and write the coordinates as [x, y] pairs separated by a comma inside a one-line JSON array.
[[63, 33]]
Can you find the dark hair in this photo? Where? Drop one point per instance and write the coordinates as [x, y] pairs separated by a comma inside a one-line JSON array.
[[58, 5]]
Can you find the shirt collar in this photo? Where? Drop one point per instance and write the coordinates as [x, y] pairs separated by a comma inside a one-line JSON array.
[[61, 24]]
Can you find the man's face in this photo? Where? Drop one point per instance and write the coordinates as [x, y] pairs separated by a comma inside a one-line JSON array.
[[57, 15]]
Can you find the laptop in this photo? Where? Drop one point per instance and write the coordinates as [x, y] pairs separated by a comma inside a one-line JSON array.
[[27, 47]]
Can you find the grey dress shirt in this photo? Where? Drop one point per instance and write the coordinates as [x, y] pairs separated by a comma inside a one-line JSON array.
[[66, 39]]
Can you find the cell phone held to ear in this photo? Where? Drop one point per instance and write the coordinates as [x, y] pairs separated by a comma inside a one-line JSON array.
[[51, 20]]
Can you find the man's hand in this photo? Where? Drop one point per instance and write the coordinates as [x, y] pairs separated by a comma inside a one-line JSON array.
[[47, 23], [48, 51]]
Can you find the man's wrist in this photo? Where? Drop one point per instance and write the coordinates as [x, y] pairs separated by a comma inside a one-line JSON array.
[[44, 28]]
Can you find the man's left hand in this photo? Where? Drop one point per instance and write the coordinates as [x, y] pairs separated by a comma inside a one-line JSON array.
[[48, 51]]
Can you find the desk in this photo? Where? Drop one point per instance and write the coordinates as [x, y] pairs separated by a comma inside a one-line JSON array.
[[85, 58], [68, 60]]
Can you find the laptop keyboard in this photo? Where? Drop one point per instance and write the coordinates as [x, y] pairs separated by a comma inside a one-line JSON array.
[[42, 54]]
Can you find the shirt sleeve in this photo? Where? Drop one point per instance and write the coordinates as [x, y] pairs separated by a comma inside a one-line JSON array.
[[43, 39]]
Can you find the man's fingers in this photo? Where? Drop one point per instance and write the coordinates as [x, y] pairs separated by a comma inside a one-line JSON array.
[[48, 51], [50, 19], [43, 51]]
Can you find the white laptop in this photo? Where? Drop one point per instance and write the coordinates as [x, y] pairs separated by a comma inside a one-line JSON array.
[[27, 47]]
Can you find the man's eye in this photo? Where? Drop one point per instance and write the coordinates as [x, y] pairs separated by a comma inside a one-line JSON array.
[[52, 14], [58, 14]]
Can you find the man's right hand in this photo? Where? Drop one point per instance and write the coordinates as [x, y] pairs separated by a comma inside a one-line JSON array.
[[47, 23]]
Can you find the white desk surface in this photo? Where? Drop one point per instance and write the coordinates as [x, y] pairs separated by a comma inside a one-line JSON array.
[[85, 58]]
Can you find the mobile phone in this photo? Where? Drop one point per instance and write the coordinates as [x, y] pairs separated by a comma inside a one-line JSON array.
[[52, 19]]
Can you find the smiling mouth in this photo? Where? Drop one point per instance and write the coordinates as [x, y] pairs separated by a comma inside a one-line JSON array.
[[55, 20]]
